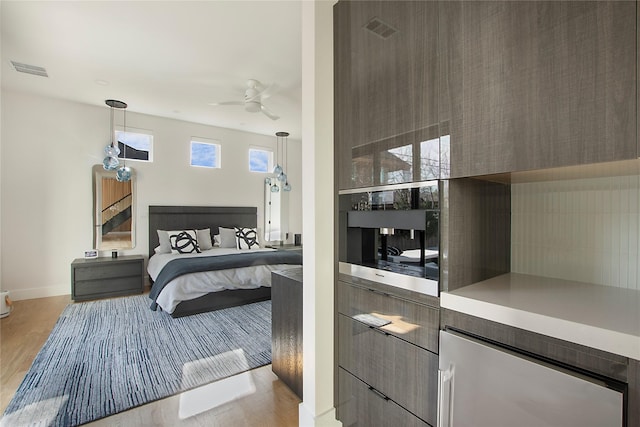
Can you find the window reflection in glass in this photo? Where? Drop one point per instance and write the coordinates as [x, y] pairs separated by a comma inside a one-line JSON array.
[[396, 165]]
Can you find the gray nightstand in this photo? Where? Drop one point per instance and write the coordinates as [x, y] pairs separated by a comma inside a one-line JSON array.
[[106, 277]]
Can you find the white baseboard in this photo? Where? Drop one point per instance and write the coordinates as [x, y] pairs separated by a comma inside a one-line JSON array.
[[33, 293], [307, 419]]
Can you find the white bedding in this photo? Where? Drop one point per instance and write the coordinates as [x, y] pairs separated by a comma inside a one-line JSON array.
[[194, 285]]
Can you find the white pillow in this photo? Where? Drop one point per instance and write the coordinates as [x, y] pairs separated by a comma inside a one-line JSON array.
[[165, 244], [204, 239], [247, 238], [183, 242], [216, 240], [227, 237]]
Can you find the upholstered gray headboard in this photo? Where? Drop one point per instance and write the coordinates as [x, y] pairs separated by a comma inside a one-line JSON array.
[[198, 217]]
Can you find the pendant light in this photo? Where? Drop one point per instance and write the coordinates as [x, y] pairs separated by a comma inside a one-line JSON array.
[[112, 151], [278, 171]]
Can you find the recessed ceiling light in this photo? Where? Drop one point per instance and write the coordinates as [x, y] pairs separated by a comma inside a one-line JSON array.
[[102, 82]]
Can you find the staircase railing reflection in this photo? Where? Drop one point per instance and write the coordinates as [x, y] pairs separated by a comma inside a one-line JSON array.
[[116, 214]]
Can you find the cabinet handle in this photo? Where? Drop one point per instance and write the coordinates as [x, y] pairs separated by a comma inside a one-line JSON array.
[[445, 392], [378, 393], [380, 331], [378, 292]]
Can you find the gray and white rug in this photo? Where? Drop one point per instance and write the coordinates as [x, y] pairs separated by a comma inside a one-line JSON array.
[[107, 356]]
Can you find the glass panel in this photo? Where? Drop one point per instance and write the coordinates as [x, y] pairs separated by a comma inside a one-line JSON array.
[[135, 146], [260, 160], [396, 165], [430, 159], [205, 155], [362, 170]]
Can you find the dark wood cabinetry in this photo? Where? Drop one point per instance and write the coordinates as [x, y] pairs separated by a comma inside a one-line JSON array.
[[386, 109], [286, 327], [362, 405], [106, 277], [533, 85], [387, 352]]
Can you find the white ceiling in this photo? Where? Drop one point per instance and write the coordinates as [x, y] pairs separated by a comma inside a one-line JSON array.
[[164, 58]]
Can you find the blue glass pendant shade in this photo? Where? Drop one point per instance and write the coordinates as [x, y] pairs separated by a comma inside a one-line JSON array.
[[110, 163], [286, 187], [274, 188], [123, 174], [282, 177], [111, 150], [277, 170]]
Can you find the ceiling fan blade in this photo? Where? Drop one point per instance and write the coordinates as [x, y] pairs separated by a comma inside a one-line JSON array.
[[268, 113], [269, 90], [228, 103]]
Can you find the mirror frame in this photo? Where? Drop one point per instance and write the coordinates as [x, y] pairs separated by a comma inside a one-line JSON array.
[[98, 174]]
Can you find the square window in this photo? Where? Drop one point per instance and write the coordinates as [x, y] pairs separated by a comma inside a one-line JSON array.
[[260, 160], [135, 145], [205, 154]]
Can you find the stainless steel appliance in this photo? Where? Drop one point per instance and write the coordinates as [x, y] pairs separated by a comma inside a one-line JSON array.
[[483, 384], [390, 234]]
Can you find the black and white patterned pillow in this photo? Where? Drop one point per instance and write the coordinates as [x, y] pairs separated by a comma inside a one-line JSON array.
[[247, 238], [184, 242]]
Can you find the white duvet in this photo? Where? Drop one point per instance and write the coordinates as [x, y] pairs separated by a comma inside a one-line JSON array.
[[194, 285]]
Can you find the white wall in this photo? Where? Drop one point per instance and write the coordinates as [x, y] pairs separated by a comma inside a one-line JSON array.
[[581, 229], [48, 149]]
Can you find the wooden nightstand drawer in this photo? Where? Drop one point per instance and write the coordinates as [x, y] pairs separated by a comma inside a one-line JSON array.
[[106, 277]]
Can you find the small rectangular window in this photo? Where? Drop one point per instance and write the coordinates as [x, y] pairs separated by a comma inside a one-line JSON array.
[[260, 160], [136, 145], [205, 153]]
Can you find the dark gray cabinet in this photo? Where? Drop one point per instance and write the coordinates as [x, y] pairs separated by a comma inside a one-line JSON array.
[[362, 405], [533, 85], [286, 327], [386, 351], [106, 277], [386, 94]]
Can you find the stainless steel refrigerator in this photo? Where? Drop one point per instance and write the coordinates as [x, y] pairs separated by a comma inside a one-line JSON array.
[[483, 384]]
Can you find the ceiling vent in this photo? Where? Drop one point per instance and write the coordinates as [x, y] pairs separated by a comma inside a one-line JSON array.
[[380, 29], [29, 69]]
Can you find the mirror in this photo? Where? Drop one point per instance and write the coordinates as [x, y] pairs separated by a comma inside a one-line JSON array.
[[276, 220], [113, 211]]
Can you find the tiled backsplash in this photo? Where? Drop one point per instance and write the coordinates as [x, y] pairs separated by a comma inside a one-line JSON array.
[[585, 229]]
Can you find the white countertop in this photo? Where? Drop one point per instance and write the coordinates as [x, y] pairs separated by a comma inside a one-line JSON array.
[[602, 317]]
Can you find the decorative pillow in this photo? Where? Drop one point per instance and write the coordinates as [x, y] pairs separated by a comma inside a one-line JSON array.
[[165, 244], [183, 242], [216, 240], [227, 238], [247, 238], [204, 239]]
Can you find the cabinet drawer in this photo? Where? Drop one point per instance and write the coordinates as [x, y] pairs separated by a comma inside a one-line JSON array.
[[412, 322], [106, 270], [107, 287], [360, 406], [405, 373]]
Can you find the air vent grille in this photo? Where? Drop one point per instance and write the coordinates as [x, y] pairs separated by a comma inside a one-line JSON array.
[[380, 28], [29, 69]]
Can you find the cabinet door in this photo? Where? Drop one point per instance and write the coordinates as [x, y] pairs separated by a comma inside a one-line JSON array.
[[531, 85], [362, 406], [409, 321], [386, 71], [405, 373]]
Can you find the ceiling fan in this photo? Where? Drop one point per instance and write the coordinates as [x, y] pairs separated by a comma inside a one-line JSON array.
[[255, 93]]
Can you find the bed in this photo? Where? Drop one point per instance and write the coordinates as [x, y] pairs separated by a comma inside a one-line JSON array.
[[214, 278]]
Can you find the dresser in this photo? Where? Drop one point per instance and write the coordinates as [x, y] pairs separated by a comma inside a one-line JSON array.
[[286, 327], [106, 277]]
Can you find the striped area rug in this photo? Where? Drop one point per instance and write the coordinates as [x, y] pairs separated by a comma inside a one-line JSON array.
[[107, 356]]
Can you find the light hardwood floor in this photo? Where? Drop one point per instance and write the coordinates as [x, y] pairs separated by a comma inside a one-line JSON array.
[[266, 402]]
